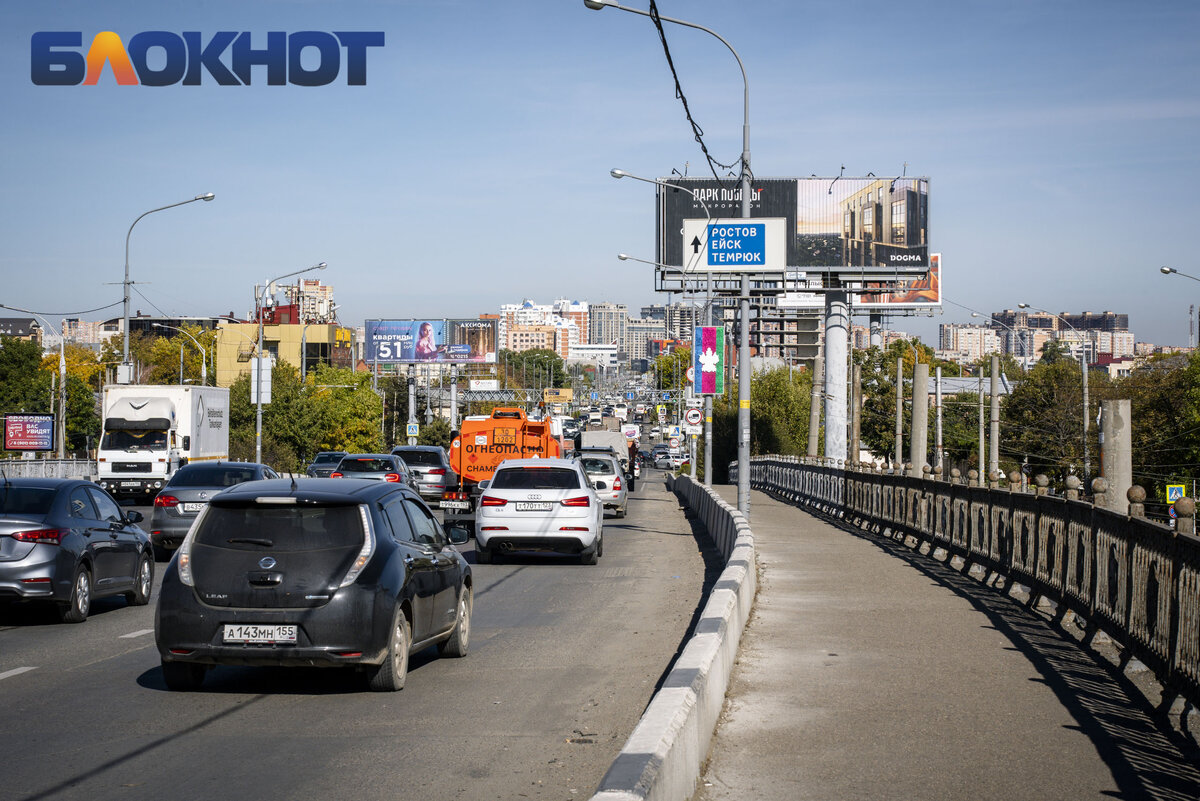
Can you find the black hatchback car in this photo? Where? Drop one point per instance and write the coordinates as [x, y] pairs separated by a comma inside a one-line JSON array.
[[67, 542], [313, 571]]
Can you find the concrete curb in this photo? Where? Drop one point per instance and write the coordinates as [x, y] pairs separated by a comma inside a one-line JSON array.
[[662, 758]]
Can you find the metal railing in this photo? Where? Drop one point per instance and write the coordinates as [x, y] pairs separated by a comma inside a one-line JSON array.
[[49, 468], [1136, 580]]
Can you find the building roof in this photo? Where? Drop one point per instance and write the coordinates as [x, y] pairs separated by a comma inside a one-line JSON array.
[[18, 326]]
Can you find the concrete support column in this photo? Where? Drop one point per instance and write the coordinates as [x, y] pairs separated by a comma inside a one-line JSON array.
[[814, 406], [920, 420], [837, 338], [1116, 460]]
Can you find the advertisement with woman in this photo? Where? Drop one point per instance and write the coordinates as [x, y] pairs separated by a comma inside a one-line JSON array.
[[423, 341]]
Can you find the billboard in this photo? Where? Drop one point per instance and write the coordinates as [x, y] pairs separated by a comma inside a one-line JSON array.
[[708, 360], [837, 224], [28, 432], [919, 292], [472, 341]]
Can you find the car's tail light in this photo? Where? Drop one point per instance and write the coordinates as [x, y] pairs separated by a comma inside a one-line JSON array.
[[493, 528], [573, 528], [40, 580], [617, 484], [581, 500], [392, 477], [437, 471], [166, 501], [492, 500], [42, 536], [368, 548], [335, 474]]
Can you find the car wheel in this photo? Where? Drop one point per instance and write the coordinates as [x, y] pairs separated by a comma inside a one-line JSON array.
[[76, 609], [183, 675], [600, 545], [483, 556], [620, 512], [142, 582], [460, 639], [389, 676]]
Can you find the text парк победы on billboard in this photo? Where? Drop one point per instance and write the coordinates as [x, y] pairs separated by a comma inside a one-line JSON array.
[[425, 341]]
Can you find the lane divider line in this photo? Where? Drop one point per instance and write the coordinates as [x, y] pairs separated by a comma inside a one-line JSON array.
[[15, 672], [138, 633]]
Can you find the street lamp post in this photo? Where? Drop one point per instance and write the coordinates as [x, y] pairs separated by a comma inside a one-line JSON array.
[[743, 483], [1172, 270], [258, 356], [1083, 364], [125, 284], [203, 353]]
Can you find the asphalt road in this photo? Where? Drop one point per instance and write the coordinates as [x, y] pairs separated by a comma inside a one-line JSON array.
[[563, 660]]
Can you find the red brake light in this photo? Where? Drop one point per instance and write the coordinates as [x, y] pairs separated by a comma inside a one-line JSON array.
[[438, 471], [335, 474], [44, 536], [392, 477], [582, 500], [492, 500], [166, 501], [617, 483]]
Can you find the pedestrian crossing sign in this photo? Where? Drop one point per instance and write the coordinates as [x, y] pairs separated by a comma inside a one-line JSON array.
[[1175, 492]]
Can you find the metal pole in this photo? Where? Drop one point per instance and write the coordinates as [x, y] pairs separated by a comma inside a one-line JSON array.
[[258, 371], [814, 407], [994, 428], [981, 439], [937, 446], [412, 402], [743, 481], [181, 364], [899, 412], [62, 393], [855, 415], [453, 396]]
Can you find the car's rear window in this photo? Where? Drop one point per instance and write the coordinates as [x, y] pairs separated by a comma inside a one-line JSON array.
[[328, 458], [420, 457], [365, 466], [214, 476], [286, 527], [535, 478], [26, 500], [597, 467]]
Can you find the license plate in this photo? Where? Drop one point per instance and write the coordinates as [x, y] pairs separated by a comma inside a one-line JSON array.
[[260, 634], [457, 506], [131, 483], [533, 506], [192, 507]]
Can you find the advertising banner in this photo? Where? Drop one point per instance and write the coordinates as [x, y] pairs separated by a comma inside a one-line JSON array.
[[28, 432], [405, 341], [471, 341], [836, 224], [708, 360], [921, 292]]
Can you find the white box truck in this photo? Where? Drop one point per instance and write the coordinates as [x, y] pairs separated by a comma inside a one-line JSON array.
[[149, 432]]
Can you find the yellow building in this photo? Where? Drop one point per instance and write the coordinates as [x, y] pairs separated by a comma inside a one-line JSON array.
[[322, 343]]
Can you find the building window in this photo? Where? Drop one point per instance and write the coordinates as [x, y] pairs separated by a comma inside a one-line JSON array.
[[899, 218]]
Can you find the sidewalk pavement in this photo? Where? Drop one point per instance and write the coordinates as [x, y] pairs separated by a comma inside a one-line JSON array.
[[869, 671]]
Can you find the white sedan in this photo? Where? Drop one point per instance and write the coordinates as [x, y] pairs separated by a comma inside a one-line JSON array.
[[539, 505]]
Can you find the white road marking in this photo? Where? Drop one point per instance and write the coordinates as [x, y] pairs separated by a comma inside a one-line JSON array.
[[15, 672], [139, 633]]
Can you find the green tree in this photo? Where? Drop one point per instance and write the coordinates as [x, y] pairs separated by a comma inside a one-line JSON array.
[[435, 433], [1164, 404], [531, 368], [1043, 418]]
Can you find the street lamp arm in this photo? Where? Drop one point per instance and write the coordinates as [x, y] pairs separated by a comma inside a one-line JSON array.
[[1172, 270]]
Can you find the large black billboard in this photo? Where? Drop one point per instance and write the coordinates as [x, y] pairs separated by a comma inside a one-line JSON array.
[[857, 225]]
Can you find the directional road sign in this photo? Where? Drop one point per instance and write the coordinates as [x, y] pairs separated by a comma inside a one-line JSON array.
[[735, 245], [630, 396], [595, 396]]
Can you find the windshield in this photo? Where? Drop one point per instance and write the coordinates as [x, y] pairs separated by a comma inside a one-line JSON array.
[[285, 528], [431, 458], [129, 439], [328, 458], [25, 500], [366, 466], [214, 476], [536, 478]]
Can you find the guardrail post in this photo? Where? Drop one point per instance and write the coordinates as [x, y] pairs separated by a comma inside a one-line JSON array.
[[1137, 501], [1073, 485], [1185, 523], [1040, 483]]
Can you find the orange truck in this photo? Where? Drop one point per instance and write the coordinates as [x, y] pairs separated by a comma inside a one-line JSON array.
[[483, 442]]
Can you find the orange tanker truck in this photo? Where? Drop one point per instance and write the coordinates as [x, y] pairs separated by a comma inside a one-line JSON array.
[[483, 442]]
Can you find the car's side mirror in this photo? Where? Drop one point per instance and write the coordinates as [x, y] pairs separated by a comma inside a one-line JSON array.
[[134, 516], [487, 482], [458, 534]]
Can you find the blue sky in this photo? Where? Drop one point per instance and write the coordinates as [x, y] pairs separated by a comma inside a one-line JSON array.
[[1060, 137]]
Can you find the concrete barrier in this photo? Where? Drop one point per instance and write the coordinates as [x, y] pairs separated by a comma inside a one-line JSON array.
[[662, 758]]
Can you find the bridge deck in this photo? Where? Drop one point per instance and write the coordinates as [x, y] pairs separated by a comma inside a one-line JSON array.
[[871, 671]]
